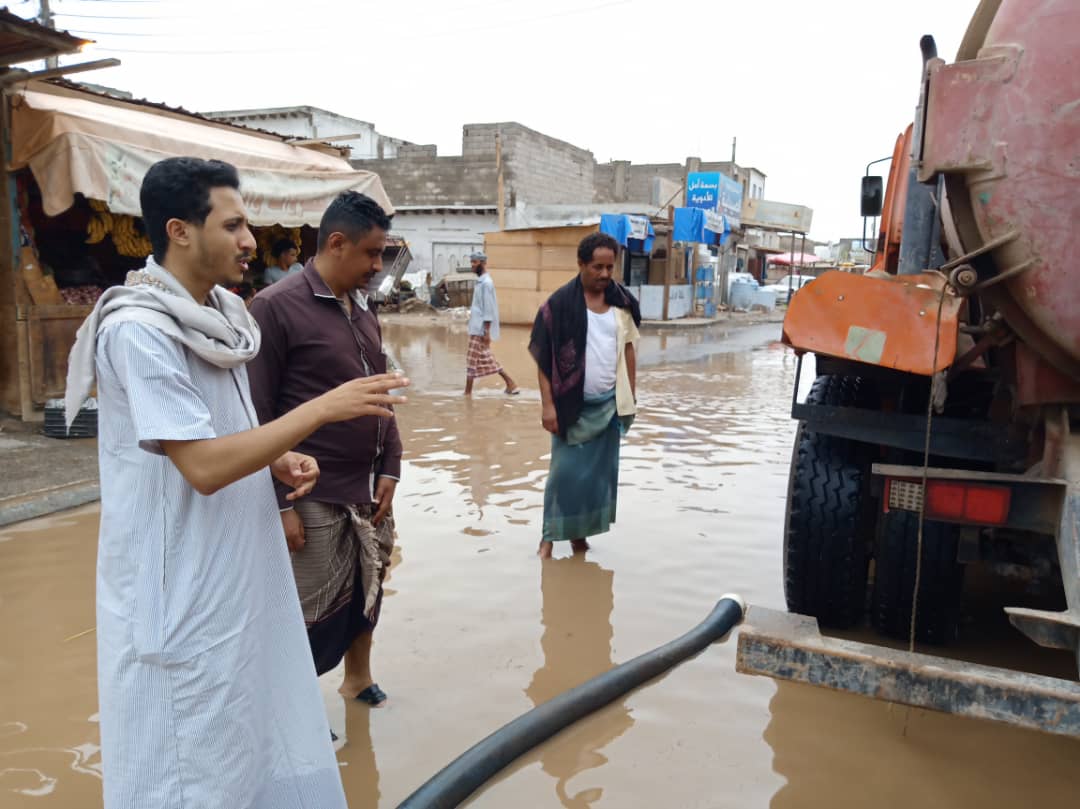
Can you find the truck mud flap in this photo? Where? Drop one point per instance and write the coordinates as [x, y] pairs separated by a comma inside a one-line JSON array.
[[790, 647]]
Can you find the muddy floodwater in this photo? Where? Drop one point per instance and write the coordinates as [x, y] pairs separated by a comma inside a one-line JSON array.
[[475, 630]]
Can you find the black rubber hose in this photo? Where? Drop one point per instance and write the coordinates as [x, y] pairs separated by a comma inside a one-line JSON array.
[[471, 770]]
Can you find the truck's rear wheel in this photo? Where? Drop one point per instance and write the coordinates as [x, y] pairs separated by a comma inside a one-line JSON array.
[[825, 541], [941, 580]]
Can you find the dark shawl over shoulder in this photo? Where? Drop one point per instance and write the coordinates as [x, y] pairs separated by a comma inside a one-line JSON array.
[[558, 343]]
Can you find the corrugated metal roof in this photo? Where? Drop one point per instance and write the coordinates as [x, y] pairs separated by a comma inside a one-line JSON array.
[[26, 40], [161, 107], [283, 112]]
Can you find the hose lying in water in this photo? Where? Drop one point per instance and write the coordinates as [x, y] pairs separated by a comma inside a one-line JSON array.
[[463, 776]]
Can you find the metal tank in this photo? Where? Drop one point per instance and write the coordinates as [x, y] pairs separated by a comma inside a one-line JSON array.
[[1002, 127], [948, 375]]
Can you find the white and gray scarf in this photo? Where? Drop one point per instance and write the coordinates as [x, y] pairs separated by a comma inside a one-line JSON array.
[[222, 332]]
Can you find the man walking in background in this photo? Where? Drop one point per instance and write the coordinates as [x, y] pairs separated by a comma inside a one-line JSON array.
[[318, 330], [583, 341], [483, 328]]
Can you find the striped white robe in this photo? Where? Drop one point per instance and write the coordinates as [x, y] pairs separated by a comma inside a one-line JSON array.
[[206, 683]]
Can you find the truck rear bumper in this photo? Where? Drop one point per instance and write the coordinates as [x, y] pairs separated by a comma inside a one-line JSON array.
[[790, 647]]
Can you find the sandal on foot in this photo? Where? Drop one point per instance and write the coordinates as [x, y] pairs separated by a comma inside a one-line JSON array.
[[513, 392], [372, 695]]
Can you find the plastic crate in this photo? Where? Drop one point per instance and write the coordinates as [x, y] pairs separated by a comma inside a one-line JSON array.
[[84, 426]]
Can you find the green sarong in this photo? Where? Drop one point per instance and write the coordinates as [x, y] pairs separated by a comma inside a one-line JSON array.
[[582, 486]]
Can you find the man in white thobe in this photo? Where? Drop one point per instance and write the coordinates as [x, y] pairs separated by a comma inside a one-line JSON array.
[[207, 690], [483, 328]]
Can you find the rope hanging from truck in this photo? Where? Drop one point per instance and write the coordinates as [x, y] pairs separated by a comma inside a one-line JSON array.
[[935, 379]]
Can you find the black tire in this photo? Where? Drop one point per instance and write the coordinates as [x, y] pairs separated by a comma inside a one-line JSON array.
[[941, 582], [829, 514]]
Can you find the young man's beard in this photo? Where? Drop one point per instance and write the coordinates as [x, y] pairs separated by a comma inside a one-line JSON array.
[[234, 273]]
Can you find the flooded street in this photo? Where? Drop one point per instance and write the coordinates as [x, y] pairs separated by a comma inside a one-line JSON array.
[[475, 630]]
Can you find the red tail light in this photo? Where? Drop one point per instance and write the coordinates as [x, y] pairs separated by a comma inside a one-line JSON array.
[[952, 500], [968, 502]]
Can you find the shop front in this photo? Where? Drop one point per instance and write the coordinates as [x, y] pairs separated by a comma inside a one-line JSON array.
[[72, 212]]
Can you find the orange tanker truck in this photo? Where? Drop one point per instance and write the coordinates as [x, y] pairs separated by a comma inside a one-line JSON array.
[[939, 443]]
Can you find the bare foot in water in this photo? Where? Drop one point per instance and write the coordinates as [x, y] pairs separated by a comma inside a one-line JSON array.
[[580, 545], [544, 551]]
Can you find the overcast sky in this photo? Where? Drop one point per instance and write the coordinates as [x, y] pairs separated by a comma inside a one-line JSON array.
[[812, 90]]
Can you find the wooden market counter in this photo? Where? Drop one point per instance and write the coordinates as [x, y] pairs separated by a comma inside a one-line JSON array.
[[44, 335]]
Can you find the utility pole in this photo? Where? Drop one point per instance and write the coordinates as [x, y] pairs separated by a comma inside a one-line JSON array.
[[500, 203], [732, 144], [45, 17]]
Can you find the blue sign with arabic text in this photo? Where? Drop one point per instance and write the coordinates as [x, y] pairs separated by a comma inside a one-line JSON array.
[[703, 190], [731, 193]]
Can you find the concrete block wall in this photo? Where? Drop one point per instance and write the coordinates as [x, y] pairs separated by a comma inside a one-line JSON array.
[[478, 140], [604, 182], [544, 170], [536, 169], [639, 182], [622, 181], [417, 151], [421, 177]]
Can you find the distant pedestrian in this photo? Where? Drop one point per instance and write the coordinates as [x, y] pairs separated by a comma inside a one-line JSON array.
[[584, 342], [483, 328], [285, 255]]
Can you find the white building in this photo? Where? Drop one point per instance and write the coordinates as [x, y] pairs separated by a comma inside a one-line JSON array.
[[441, 238], [754, 187], [313, 123]]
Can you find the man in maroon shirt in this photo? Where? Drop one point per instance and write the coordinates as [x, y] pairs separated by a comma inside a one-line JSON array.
[[319, 330]]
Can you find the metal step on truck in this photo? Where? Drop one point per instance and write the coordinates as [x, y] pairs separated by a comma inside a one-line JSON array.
[[938, 446]]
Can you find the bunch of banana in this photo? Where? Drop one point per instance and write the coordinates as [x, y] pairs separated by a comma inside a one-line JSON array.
[[101, 223], [128, 240]]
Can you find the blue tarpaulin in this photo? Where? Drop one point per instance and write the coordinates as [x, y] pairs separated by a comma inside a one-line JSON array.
[[627, 230], [694, 225]]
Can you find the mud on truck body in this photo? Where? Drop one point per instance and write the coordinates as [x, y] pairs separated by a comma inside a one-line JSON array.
[[942, 430]]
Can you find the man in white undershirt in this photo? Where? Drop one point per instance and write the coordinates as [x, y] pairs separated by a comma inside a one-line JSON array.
[[583, 341]]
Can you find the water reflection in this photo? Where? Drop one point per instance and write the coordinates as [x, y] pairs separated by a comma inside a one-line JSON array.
[[839, 750], [484, 465], [360, 775], [578, 598]]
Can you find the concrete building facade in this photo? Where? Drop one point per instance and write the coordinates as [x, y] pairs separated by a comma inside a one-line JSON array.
[[443, 202], [441, 239], [446, 204], [535, 168], [662, 184]]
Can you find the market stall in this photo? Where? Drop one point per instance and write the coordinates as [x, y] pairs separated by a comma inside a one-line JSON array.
[[77, 162]]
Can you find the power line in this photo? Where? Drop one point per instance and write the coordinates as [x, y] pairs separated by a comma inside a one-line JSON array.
[[142, 18], [144, 34], [120, 2], [225, 51], [229, 49]]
